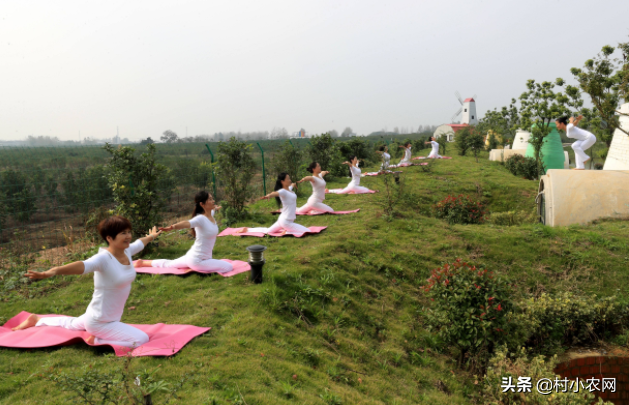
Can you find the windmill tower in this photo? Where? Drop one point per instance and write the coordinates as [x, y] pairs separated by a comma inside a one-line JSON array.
[[468, 109]]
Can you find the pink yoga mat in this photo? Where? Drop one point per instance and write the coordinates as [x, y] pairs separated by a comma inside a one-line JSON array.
[[378, 173], [239, 267], [314, 212], [424, 157], [232, 231], [338, 191], [164, 340]]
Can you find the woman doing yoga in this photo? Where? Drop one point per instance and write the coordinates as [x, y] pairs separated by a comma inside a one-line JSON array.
[[315, 202], [284, 196], [113, 275], [434, 153], [407, 153], [386, 158], [204, 230], [354, 186]]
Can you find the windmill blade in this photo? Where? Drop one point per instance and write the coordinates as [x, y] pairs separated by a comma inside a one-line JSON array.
[[458, 96], [456, 114], [474, 97]]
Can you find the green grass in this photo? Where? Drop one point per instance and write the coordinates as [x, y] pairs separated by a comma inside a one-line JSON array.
[[336, 307]]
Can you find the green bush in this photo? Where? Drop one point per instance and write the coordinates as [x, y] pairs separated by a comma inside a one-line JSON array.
[[287, 160], [460, 140], [568, 319], [470, 310], [460, 209], [492, 142], [508, 218], [522, 166], [236, 168]]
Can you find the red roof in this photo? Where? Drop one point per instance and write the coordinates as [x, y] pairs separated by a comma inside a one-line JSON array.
[[469, 100], [457, 127]]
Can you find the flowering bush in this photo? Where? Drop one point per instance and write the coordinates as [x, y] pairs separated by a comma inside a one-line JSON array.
[[470, 309], [461, 209]]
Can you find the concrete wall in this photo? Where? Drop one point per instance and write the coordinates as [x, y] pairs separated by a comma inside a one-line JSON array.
[[618, 155], [500, 155], [581, 196]]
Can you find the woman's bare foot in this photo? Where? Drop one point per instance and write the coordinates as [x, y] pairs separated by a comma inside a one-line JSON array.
[[186, 271], [90, 340], [243, 230], [28, 323], [283, 232]]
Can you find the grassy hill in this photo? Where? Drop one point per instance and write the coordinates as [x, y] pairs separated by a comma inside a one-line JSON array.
[[338, 318]]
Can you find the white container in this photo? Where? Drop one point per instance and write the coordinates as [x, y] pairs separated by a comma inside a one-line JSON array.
[[618, 155], [521, 139]]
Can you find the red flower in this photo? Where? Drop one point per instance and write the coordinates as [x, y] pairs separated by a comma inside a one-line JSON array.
[[499, 308]]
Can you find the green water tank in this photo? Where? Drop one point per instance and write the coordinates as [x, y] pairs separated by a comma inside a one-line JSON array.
[[552, 150]]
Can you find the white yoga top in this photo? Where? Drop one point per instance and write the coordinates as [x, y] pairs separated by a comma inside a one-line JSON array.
[[407, 153], [206, 233], [387, 158], [289, 204], [112, 283], [355, 175], [577, 133], [435, 147], [318, 188]]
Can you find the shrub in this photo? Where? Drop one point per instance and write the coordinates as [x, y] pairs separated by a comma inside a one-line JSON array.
[[470, 309], [508, 218], [443, 144], [476, 143], [461, 209], [134, 181], [492, 142], [569, 319], [519, 165], [236, 168], [322, 149], [460, 140], [287, 160]]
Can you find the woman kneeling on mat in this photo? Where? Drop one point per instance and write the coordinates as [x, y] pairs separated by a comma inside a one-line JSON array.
[[315, 202], [284, 196], [204, 230], [113, 274], [434, 154], [407, 153], [386, 158], [354, 186]]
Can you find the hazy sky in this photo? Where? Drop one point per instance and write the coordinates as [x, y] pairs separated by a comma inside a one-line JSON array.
[[148, 66]]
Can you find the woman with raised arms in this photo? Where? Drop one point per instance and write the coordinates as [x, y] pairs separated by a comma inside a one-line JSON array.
[[315, 202], [204, 230], [434, 153], [386, 158], [354, 186], [407, 153], [113, 274]]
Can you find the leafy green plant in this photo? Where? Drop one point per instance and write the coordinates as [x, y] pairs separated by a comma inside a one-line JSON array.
[[522, 166], [236, 169], [134, 181], [460, 140], [476, 143], [470, 310], [460, 209], [322, 149], [330, 398], [508, 218]]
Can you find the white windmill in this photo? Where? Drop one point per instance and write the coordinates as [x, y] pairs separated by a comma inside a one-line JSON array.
[[468, 108]]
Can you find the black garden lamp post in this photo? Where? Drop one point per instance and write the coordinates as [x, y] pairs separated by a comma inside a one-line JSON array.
[[256, 261]]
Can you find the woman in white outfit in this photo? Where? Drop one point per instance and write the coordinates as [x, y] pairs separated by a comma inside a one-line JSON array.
[[407, 153], [434, 153], [288, 200], [204, 230], [315, 202], [386, 158], [584, 139], [113, 274], [354, 186]]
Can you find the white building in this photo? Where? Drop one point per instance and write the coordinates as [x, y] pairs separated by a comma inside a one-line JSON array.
[[468, 118]]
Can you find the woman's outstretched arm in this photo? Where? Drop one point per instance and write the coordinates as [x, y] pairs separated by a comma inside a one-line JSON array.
[[75, 268]]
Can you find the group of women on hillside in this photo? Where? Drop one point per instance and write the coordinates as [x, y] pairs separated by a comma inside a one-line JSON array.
[[114, 270]]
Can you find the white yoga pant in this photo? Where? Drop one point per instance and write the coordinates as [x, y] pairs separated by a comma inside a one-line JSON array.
[[203, 266], [314, 205], [110, 333], [434, 155], [579, 147], [290, 226]]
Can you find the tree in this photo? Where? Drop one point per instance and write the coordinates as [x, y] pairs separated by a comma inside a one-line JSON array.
[[135, 183], [288, 160], [492, 142], [278, 133], [236, 168], [606, 81], [460, 140], [322, 149], [169, 137], [443, 144], [347, 132], [476, 143], [505, 121], [333, 133], [147, 141], [540, 107]]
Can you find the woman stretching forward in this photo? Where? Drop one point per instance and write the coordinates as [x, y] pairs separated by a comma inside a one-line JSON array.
[[284, 196], [434, 154], [113, 275], [205, 230], [407, 153], [354, 186], [315, 202], [386, 158]]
